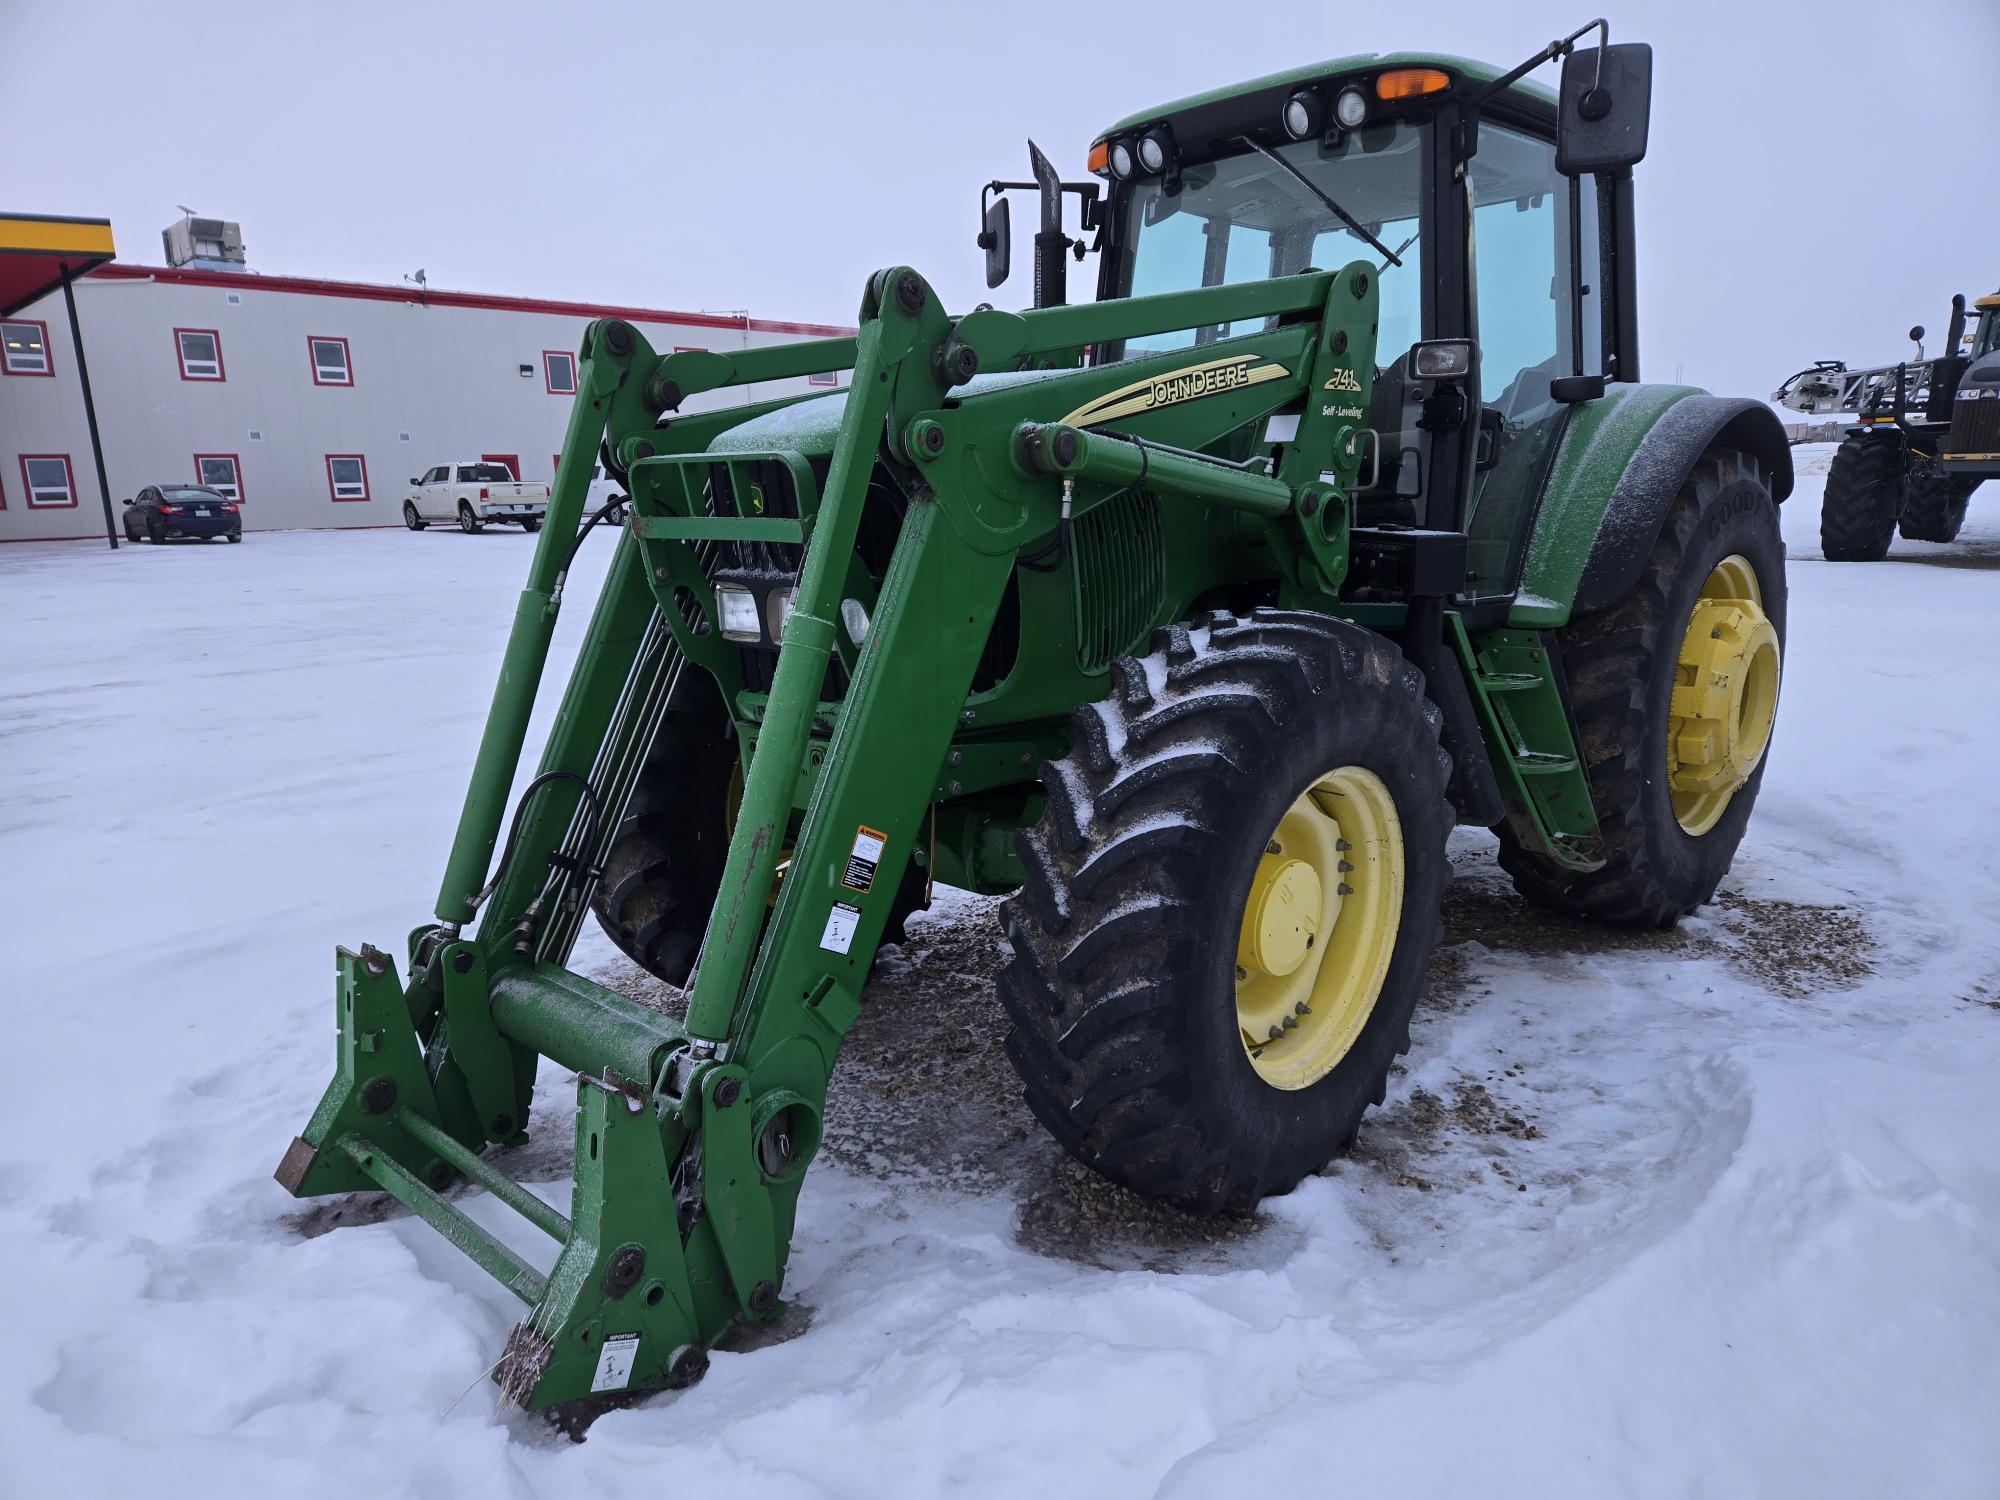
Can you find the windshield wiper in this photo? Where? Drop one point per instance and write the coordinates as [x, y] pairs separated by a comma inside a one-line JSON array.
[[1320, 193]]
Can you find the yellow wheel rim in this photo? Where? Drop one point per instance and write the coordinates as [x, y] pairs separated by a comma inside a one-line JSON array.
[[1725, 695], [1319, 927]]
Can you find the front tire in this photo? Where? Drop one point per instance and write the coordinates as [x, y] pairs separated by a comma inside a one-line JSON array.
[[1164, 908], [665, 864], [1684, 666], [1934, 507], [468, 519], [410, 517], [1864, 493]]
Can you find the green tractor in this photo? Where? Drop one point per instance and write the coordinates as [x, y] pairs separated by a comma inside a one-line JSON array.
[[1196, 617], [1924, 438]]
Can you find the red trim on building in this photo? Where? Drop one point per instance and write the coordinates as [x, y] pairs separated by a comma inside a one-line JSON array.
[[333, 489], [3, 494], [48, 355], [312, 357], [236, 466], [69, 481], [548, 374], [367, 292], [180, 355]]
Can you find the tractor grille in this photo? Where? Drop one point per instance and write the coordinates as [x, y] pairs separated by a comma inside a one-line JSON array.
[[1121, 577], [1975, 427]]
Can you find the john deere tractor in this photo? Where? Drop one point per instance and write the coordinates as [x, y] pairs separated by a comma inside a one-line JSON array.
[[1924, 438], [1195, 617]]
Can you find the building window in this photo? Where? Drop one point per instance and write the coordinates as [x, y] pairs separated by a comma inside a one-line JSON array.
[[559, 372], [221, 473], [329, 361], [825, 377], [46, 479], [25, 346], [347, 476], [200, 352]]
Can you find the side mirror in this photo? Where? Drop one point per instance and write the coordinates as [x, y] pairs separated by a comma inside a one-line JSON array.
[[1607, 96], [128, 502], [996, 238], [415, 480], [1917, 334]]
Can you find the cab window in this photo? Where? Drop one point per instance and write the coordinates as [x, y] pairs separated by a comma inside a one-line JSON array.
[[1244, 218], [1522, 274]]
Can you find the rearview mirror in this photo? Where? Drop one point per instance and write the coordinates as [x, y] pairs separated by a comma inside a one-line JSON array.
[[1607, 95], [997, 240]]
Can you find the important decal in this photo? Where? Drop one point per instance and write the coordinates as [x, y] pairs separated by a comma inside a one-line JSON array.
[[615, 1358], [840, 924], [1190, 383], [864, 859], [1343, 380]]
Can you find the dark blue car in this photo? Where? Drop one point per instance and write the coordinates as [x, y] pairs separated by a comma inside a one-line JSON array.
[[164, 511]]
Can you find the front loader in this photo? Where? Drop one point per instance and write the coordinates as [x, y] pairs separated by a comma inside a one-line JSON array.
[[1196, 617]]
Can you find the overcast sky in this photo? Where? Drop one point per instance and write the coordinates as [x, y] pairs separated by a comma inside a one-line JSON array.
[[1820, 175]]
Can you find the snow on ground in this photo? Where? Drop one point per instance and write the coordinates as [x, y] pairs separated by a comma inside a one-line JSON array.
[[1714, 1212]]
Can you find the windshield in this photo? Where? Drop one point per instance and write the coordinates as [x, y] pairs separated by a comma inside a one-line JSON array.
[[1245, 218], [1989, 333]]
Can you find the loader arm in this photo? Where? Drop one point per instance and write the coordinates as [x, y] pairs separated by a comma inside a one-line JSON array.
[[692, 1139]]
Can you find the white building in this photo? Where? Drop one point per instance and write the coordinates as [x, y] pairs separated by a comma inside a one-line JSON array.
[[312, 402]]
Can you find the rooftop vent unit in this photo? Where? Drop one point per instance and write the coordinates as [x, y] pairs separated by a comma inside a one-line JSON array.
[[212, 244]]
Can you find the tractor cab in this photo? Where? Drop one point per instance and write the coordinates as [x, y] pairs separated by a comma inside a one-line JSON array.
[[1502, 241]]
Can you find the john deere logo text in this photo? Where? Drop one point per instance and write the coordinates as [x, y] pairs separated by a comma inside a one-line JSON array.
[[1343, 380], [1190, 384]]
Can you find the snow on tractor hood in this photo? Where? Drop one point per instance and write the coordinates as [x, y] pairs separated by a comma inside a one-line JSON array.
[[810, 427]]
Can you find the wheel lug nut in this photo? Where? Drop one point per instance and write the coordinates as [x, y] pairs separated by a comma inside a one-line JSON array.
[[1276, 1032], [1302, 1009], [1344, 889], [1341, 846], [1345, 868]]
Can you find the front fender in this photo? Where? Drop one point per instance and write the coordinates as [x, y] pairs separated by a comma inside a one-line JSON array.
[[1622, 462]]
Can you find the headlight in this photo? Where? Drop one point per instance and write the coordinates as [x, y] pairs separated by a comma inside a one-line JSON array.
[[1121, 160], [1153, 151], [1351, 109], [1302, 116], [736, 613], [854, 615], [777, 610]]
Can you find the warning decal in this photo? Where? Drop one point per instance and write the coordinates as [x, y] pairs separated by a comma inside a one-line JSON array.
[[840, 925], [864, 859]]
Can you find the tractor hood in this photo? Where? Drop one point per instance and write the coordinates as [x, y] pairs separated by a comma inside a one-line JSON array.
[[810, 427]]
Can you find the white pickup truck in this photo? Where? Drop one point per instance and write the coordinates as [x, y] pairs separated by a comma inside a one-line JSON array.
[[473, 494]]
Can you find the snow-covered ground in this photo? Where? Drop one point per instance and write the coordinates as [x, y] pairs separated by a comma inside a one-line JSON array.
[[1715, 1212]]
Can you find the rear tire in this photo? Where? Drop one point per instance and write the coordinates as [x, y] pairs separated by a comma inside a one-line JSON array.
[[235, 536], [665, 865], [468, 519], [1621, 664], [1123, 988], [1934, 507], [1864, 492], [410, 517], [531, 526]]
